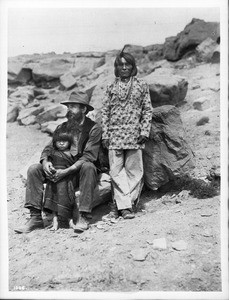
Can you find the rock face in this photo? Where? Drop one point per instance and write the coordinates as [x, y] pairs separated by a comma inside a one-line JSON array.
[[154, 52], [187, 40], [205, 51], [166, 90], [28, 112], [166, 154], [12, 113], [50, 69], [51, 113]]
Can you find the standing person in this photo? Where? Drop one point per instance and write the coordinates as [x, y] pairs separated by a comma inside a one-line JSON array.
[[60, 196], [126, 122], [85, 148]]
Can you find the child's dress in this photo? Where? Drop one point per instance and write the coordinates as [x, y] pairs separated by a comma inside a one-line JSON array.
[[60, 196]]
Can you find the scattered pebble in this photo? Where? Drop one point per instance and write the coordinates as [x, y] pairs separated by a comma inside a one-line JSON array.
[[139, 254], [206, 267], [207, 233], [100, 226], [202, 121], [160, 244], [206, 215], [207, 132], [179, 245]]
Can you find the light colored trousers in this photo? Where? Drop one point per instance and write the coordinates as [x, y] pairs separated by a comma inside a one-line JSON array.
[[126, 171]]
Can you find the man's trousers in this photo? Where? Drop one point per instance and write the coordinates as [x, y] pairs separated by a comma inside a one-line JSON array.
[[86, 180], [126, 171]]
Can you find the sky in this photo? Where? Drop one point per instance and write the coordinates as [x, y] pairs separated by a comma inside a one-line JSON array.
[[75, 29]]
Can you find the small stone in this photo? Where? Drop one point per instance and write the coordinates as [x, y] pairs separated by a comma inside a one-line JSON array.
[[196, 86], [160, 244], [150, 242], [113, 220], [207, 267], [139, 254], [179, 245], [100, 226], [206, 215], [202, 121], [207, 132], [207, 233]]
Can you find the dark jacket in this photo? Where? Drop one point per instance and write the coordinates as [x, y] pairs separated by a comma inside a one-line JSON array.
[[89, 142]]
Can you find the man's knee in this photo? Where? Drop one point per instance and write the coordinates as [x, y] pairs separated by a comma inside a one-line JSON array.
[[88, 167], [34, 169]]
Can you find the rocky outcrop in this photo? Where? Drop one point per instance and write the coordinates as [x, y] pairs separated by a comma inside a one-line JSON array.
[[67, 81], [154, 52], [205, 51], [187, 40], [12, 113], [50, 69], [216, 55], [166, 154], [27, 113], [51, 113], [166, 90]]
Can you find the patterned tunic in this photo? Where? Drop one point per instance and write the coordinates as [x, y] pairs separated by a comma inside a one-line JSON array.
[[124, 119]]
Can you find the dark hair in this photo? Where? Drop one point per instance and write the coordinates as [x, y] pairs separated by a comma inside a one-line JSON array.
[[129, 58], [60, 135]]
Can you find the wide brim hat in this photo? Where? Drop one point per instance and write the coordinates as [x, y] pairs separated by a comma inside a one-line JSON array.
[[81, 97]]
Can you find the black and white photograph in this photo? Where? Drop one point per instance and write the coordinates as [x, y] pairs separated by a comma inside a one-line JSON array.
[[114, 149]]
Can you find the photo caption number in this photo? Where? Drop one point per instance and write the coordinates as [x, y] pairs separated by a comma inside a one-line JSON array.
[[19, 288]]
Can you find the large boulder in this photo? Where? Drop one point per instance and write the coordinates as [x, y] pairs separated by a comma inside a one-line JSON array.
[[216, 55], [154, 52], [14, 68], [12, 113], [50, 69], [22, 95], [165, 89], [18, 74], [67, 81], [51, 113], [167, 153], [194, 33], [205, 50], [102, 193], [50, 126], [27, 112]]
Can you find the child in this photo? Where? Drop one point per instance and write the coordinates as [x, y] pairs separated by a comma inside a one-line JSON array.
[[60, 196]]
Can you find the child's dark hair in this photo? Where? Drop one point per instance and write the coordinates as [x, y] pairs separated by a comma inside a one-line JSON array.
[[60, 135]]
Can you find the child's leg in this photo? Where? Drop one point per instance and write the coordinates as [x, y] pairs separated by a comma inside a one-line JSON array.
[[75, 216], [55, 224]]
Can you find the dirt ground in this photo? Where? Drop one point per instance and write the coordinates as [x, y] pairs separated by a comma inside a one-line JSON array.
[[123, 256]]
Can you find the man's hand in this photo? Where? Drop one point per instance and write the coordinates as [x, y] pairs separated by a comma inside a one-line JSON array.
[[105, 143], [47, 167], [60, 173], [142, 139]]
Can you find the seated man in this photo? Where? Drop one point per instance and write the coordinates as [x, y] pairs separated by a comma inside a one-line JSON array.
[[85, 148]]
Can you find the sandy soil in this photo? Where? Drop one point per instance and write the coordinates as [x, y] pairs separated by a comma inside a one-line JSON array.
[[123, 256]]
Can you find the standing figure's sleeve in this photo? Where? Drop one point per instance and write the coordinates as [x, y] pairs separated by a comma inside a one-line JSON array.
[[147, 112], [105, 114]]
